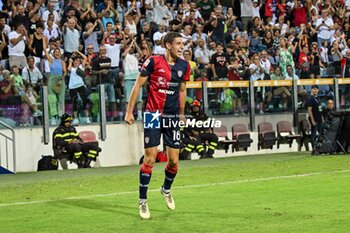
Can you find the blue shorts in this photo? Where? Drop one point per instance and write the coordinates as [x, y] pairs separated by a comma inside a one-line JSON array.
[[171, 136]]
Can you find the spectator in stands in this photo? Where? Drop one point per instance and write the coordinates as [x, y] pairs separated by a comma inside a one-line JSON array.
[[281, 25], [267, 41], [186, 37], [315, 61], [51, 30], [56, 84], [50, 10], [162, 15], [290, 75], [219, 63], [145, 33], [32, 96], [257, 73], [176, 24], [90, 79], [256, 8], [19, 87], [127, 37], [205, 8], [304, 61], [159, 34], [336, 57], [149, 5], [4, 28], [36, 43], [7, 93], [91, 36], [19, 16], [282, 92], [17, 42], [194, 70], [113, 52], [234, 75], [3, 45], [71, 37], [76, 67], [246, 12], [324, 27], [160, 49], [285, 51], [131, 21], [202, 54], [88, 13], [203, 77], [112, 30], [299, 12], [131, 71], [199, 34], [218, 26], [110, 15], [101, 67]]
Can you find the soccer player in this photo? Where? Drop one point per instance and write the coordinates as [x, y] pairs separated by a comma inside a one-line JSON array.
[[166, 101]]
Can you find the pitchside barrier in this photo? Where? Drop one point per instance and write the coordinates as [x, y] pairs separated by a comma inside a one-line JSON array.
[[335, 88], [7, 149]]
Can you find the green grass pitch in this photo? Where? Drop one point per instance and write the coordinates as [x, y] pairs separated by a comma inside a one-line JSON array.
[[291, 192]]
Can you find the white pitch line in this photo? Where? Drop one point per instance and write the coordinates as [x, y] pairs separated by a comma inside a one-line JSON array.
[[176, 187]]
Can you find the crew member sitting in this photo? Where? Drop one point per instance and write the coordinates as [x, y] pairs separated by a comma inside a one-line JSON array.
[[195, 138], [68, 145]]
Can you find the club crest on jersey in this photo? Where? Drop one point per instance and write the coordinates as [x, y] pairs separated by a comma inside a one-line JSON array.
[[146, 140], [180, 73]]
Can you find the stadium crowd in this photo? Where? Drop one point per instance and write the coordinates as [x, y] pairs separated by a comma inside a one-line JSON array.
[[72, 46]]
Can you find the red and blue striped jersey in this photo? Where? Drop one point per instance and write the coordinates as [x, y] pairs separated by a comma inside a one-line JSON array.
[[164, 83]]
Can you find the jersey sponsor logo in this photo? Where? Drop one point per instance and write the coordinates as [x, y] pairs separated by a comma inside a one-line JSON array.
[[173, 84], [161, 71], [168, 92], [162, 82]]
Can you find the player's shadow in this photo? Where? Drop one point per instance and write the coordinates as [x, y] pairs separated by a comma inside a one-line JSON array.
[[98, 205]]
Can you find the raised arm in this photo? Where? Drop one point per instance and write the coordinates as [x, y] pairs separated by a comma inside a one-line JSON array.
[[48, 57]]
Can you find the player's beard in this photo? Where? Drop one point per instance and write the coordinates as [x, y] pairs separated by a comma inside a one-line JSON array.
[[174, 55]]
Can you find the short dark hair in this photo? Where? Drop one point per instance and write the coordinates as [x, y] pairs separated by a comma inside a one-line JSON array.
[[219, 44], [170, 37], [40, 25]]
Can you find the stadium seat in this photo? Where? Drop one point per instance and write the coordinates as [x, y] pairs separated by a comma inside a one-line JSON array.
[[224, 141], [285, 134], [305, 132], [87, 136], [242, 136], [266, 136]]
